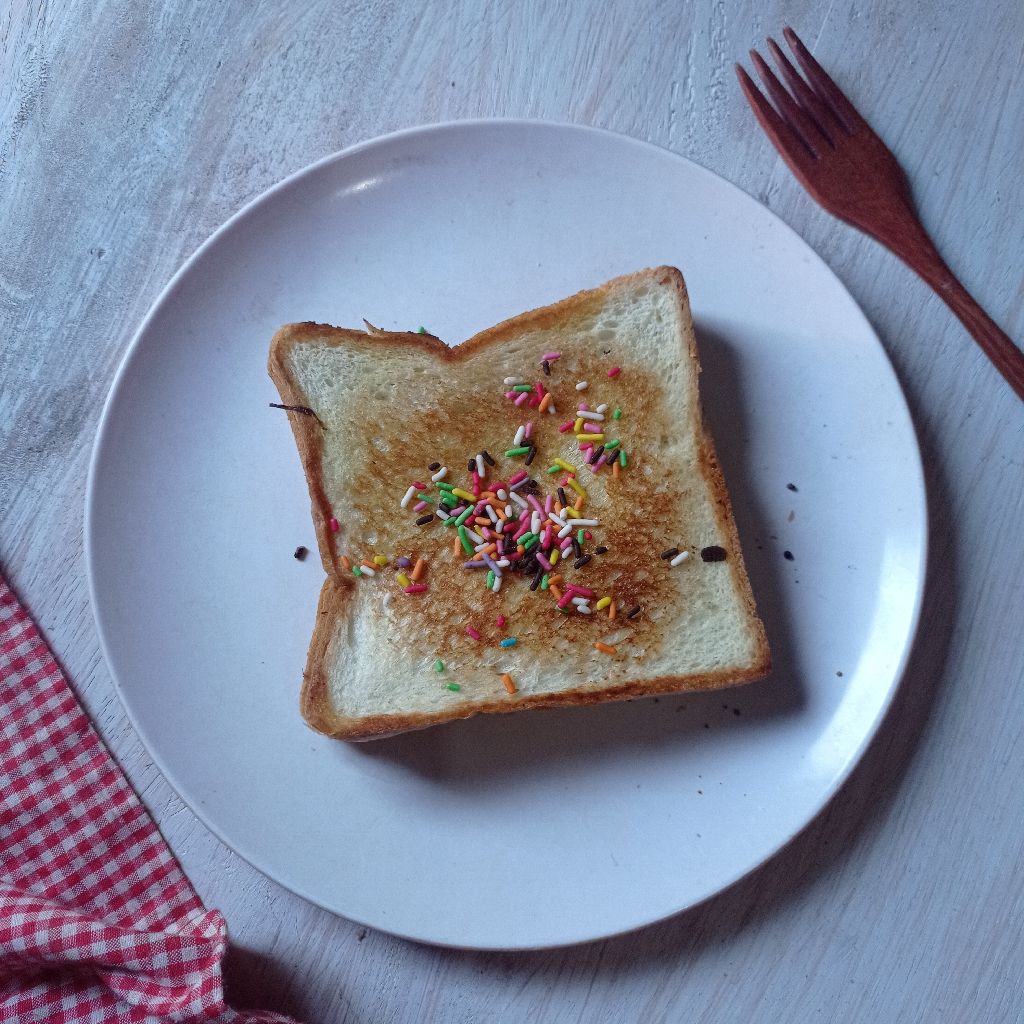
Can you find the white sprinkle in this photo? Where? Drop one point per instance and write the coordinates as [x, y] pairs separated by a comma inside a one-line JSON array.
[[603, 407], [581, 386], [503, 563], [581, 601], [502, 494], [680, 558], [476, 536], [480, 547], [408, 497], [518, 439], [535, 523], [440, 474], [551, 409], [556, 520], [497, 583], [520, 483], [586, 522], [513, 381], [590, 415], [565, 530], [442, 513], [480, 467], [491, 513], [584, 609], [508, 511], [521, 502], [367, 572]]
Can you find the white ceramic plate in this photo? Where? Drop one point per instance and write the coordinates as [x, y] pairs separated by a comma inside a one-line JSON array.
[[546, 827]]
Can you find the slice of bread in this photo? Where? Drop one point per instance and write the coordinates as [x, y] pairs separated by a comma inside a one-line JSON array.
[[381, 408]]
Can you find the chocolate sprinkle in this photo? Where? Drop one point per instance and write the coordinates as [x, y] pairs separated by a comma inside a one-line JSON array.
[[600, 550], [634, 612], [547, 367], [535, 582], [423, 520], [487, 458], [561, 496], [577, 550], [671, 553], [470, 465], [713, 554], [532, 455], [434, 467], [581, 561], [301, 552], [596, 455]]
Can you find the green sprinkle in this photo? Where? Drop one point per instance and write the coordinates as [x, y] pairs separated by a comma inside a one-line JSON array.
[[612, 445], [464, 537], [464, 515], [490, 578], [449, 500], [509, 641], [530, 543], [579, 535], [421, 329], [439, 665], [617, 415], [554, 469], [445, 486], [424, 497], [517, 451], [522, 388], [544, 582], [454, 686], [356, 571], [622, 458], [564, 611]]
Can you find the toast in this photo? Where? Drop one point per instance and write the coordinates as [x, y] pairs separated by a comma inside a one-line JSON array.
[[428, 612]]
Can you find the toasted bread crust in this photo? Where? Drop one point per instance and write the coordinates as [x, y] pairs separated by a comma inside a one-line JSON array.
[[336, 598]]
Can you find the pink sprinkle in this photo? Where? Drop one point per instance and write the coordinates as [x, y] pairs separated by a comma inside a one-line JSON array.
[[543, 561], [485, 532], [524, 516], [586, 446], [548, 504], [566, 427], [539, 388], [567, 478], [510, 394], [480, 506], [419, 506], [565, 598], [523, 397], [595, 466], [419, 486], [472, 632], [546, 542], [476, 483], [565, 544], [615, 371], [535, 503], [583, 407], [534, 401], [524, 529], [529, 429], [572, 588], [500, 621], [587, 535], [333, 524], [415, 588], [513, 557], [521, 475], [551, 356]]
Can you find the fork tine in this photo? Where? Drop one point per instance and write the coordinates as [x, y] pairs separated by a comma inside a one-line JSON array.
[[785, 140], [788, 107], [823, 84], [820, 113]]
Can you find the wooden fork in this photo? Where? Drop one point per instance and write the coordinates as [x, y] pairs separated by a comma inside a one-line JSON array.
[[847, 168]]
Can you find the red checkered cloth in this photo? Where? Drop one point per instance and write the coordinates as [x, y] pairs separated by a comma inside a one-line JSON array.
[[97, 921]]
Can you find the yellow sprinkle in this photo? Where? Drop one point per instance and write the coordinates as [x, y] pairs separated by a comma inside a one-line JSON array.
[[578, 425], [567, 466], [465, 495], [603, 603], [584, 437], [577, 488], [572, 513], [555, 555], [380, 560], [403, 579]]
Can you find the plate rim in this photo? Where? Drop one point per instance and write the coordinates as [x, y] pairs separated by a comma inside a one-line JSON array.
[[91, 516]]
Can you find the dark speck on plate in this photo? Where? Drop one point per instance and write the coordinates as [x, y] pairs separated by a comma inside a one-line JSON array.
[[787, 555], [301, 552], [791, 487], [713, 554]]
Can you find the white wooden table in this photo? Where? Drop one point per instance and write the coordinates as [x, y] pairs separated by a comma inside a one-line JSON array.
[[129, 130]]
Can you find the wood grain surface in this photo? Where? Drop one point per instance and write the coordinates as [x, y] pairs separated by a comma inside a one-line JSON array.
[[130, 130]]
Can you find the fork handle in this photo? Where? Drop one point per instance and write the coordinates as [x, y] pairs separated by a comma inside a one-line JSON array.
[[908, 239]]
